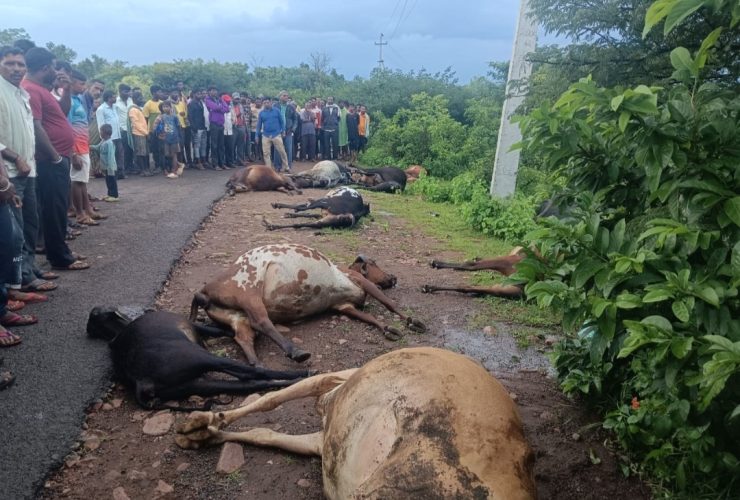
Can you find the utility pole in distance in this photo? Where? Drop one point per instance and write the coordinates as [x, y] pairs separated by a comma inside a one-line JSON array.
[[381, 63], [506, 164]]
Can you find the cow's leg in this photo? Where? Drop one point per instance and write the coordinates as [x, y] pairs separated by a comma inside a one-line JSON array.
[[298, 207], [390, 332], [210, 363], [503, 291], [315, 386], [337, 221], [304, 444], [293, 215], [372, 289], [243, 333], [205, 388], [211, 331], [287, 190]]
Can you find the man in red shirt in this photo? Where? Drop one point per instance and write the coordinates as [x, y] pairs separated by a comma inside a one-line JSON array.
[[54, 145]]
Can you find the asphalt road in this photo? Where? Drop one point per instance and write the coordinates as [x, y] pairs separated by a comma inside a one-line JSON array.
[[59, 371]]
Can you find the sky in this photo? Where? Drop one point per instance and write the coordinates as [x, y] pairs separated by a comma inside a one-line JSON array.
[[430, 34]]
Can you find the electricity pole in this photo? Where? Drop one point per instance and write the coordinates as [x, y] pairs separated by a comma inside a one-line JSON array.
[[381, 63], [506, 163]]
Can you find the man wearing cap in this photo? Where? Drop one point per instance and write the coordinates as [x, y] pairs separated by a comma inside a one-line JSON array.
[[271, 128], [238, 118]]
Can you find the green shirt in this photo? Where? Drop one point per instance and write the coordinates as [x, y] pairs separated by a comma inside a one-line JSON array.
[[16, 126]]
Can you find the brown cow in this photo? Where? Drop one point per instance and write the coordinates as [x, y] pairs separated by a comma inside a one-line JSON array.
[[287, 282], [505, 265], [259, 178], [421, 423], [414, 172]]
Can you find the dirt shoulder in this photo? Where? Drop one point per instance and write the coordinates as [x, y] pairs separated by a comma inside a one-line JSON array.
[[115, 454]]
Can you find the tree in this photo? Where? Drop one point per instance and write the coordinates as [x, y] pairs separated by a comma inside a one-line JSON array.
[[62, 52], [9, 35]]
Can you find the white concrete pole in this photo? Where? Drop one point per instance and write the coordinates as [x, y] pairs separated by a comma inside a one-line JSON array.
[[506, 163]]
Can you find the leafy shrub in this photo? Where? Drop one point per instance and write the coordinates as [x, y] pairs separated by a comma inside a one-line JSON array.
[[431, 189], [509, 219], [647, 267]]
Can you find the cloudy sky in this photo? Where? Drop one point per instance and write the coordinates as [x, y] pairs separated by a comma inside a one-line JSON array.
[[430, 34]]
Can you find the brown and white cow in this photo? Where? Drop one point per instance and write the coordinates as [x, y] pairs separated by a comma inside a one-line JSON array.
[[505, 265], [259, 178], [414, 172], [421, 423], [325, 174], [288, 282]]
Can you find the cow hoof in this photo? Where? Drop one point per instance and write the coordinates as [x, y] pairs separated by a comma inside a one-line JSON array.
[[415, 325], [231, 192], [299, 355], [274, 205], [392, 333], [433, 264]]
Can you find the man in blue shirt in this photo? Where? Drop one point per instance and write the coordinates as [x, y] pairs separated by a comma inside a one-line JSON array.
[[271, 127]]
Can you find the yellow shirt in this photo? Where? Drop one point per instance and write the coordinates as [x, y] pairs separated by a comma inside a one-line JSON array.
[[138, 122], [151, 112], [181, 108]]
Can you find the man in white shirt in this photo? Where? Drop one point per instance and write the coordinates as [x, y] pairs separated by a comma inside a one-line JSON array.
[[122, 104], [107, 114]]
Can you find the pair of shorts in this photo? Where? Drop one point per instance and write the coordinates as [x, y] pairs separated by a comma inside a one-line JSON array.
[[141, 146], [171, 149], [83, 174]]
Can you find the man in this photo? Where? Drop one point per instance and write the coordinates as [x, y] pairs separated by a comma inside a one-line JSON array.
[[108, 115], [80, 172], [308, 133], [151, 112], [291, 123], [318, 106], [256, 108], [271, 129], [95, 89], [250, 123], [330, 125], [228, 134], [181, 110], [16, 134], [343, 132], [353, 132], [240, 127], [217, 108], [122, 104], [363, 127], [138, 134], [197, 119], [54, 145]]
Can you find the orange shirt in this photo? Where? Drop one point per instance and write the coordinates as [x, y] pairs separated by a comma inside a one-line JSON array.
[[363, 122]]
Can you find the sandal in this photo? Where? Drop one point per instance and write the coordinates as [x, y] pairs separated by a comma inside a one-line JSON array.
[[77, 256], [87, 221], [27, 297], [39, 285], [6, 379], [77, 265], [13, 319], [15, 305], [48, 275], [97, 216], [8, 339]]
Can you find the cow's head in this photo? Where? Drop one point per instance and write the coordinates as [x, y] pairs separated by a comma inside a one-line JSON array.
[[370, 270], [106, 323]]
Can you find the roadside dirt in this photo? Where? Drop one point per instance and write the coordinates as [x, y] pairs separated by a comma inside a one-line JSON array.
[[115, 457]]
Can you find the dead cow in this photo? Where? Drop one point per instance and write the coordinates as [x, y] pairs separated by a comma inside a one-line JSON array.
[[505, 265], [325, 174], [384, 179], [288, 282], [416, 423], [340, 207], [160, 355], [259, 178]]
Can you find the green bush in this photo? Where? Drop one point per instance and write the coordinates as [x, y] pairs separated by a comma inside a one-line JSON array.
[[509, 219], [647, 267], [431, 189]]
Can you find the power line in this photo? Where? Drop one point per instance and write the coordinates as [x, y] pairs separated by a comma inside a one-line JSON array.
[[400, 18], [390, 19]]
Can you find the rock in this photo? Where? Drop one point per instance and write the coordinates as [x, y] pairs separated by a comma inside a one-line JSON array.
[[138, 416], [117, 402], [156, 464], [512, 396], [576, 436], [182, 467], [112, 476], [282, 328], [92, 442], [342, 341], [546, 415], [297, 340], [303, 483], [231, 458], [159, 424], [551, 340], [251, 399], [135, 475], [163, 487], [120, 494], [72, 460], [106, 407], [489, 330]]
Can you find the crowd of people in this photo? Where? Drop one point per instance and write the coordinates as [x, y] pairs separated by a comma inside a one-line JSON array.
[[58, 128]]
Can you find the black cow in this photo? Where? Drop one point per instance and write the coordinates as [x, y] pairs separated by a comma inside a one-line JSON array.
[[160, 355], [385, 179], [341, 207]]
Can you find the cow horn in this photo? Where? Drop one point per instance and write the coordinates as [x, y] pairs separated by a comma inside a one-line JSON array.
[[361, 258]]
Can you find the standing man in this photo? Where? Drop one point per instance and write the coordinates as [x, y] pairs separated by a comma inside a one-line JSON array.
[[217, 108], [197, 118], [290, 118], [107, 114], [54, 145], [308, 133], [151, 112], [363, 128], [238, 120], [122, 104], [138, 134], [343, 132], [330, 124], [16, 134], [250, 122], [256, 108], [94, 90], [353, 132], [180, 105], [271, 129]]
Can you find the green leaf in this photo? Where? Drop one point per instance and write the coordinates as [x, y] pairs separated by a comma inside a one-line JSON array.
[[681, 346], [628, 301], [735, 259], [680, 311], [617, 237], [708, 294], [682, 61], [624, 120], [658, 322], [657, 295], [585, 270], [616, 102], [706, 45], [732, 209], [657, 11], [680, 10]]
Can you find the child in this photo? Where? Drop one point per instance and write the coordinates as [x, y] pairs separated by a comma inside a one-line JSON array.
[[167, 128], [107, 152]]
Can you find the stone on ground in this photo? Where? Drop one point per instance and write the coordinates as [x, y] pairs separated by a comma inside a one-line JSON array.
[[159, 424], [231, 459]]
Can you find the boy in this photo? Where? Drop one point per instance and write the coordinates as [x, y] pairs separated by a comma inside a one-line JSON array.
[[167, 130], [107, 150], [138, 131]]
